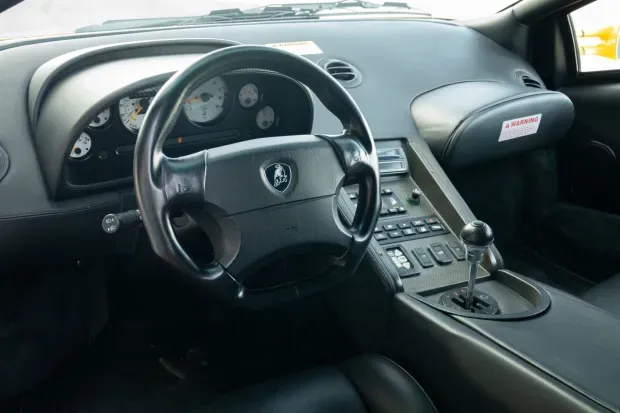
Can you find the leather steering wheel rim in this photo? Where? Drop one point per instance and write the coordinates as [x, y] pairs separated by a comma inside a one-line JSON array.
[[161, 181]]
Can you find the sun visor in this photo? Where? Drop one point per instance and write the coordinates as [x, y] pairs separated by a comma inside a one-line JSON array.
[[471, 122]]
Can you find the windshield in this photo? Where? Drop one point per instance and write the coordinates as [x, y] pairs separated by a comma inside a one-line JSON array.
[[53, 17]]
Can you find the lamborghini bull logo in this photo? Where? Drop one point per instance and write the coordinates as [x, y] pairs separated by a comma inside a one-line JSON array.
[[279, 176]]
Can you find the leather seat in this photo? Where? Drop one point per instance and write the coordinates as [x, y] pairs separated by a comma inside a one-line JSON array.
[[605, 295], [365, 384]]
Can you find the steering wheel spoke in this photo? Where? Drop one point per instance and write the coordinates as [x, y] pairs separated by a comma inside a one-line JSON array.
[[182, 180]]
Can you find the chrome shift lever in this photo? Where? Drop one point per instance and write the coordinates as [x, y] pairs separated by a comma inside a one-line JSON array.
[[477, 237]]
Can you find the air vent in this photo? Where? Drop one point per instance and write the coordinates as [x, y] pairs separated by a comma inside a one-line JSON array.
[[529, 82], [344, 72]]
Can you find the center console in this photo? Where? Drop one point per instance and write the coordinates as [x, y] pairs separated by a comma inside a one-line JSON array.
[[458, 318], [431, 246]]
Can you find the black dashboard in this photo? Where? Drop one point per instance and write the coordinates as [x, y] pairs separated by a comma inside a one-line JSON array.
[[52, 89]]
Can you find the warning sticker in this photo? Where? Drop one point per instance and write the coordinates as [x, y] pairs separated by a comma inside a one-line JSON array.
[[517, 128], [299, 48]]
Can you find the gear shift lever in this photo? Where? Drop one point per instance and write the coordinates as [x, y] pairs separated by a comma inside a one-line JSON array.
[[476, 237]]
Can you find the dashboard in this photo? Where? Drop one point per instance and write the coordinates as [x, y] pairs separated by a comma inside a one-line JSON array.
[[55, 89], [222, 110]]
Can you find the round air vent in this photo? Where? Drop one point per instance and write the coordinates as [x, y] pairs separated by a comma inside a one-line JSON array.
[[344, 72]]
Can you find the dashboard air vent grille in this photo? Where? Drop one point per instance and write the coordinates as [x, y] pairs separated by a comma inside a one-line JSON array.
[[529, 82], [344, 72]]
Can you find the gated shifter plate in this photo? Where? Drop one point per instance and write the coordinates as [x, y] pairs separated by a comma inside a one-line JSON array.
[[483, 303]]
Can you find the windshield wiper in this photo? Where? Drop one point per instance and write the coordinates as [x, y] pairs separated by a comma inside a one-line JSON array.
[[285, 11]]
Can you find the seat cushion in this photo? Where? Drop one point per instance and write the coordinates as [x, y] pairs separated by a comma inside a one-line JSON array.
[[365, 384], [605, 295]]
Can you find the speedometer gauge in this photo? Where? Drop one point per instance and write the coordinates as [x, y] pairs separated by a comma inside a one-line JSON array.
[[206, 102], [132, 108], [248, 95], [100, 120], [81, 147]]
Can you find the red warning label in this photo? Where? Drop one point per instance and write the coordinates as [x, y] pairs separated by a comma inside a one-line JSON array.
[[517, 128]]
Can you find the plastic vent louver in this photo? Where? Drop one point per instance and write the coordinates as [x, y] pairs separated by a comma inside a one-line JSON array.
[[529, 82], [344, 72]]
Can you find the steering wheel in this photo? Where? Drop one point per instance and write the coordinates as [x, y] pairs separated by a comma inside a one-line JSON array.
[[264, 196]]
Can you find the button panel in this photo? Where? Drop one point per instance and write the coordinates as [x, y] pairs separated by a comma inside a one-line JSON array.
[[401, 261], [407, 228], [390, 204]]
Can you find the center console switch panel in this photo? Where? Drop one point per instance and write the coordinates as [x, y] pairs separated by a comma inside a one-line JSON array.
[[407, 228]]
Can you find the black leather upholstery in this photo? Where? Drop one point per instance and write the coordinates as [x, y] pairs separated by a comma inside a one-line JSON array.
[[365, 384], [605, 295]]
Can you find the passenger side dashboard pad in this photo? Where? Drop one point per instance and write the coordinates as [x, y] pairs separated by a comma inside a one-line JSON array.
[[470, 122]]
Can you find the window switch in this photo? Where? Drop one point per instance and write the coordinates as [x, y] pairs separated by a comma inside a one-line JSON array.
[[401, 261], [423, 257], [457, 250], [440, 254]]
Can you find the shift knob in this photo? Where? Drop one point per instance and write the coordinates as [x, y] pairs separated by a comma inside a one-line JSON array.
[[477, 234]]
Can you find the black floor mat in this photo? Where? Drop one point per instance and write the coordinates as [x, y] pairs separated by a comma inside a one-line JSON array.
[[122, 372]]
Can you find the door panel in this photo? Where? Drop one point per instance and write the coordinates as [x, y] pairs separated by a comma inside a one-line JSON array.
[[588, 159]]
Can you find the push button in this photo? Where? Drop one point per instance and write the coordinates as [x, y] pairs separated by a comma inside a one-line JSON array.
[[389, 227], [431, 221], [380, 237], [440, 254], [402, 210], [377, 229], [417, 223], [384, 212], [423, 257], [457, 250], [393, 211], [404, 225], [387, 191], [352, 196], [408, 232], [422, 230], [395, 234], [436, 227]]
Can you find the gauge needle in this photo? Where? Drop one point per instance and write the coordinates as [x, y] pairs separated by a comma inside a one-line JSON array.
[[136, 113], [192, 100]]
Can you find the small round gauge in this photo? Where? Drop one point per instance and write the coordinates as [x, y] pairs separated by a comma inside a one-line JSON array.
[[100, 120], [81, 147], [248, 95], [206, 102], [132, 108], [265, 117]]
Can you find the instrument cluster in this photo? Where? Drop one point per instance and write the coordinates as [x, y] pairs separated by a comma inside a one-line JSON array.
[[222, 110]]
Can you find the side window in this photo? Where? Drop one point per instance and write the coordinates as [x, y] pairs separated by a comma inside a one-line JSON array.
[[597, 30]]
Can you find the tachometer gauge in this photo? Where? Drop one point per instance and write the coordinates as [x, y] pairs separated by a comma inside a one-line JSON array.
[[206, 102], [100, 120], [248, 95], [81, 147], [265, 117], [132, 108]]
